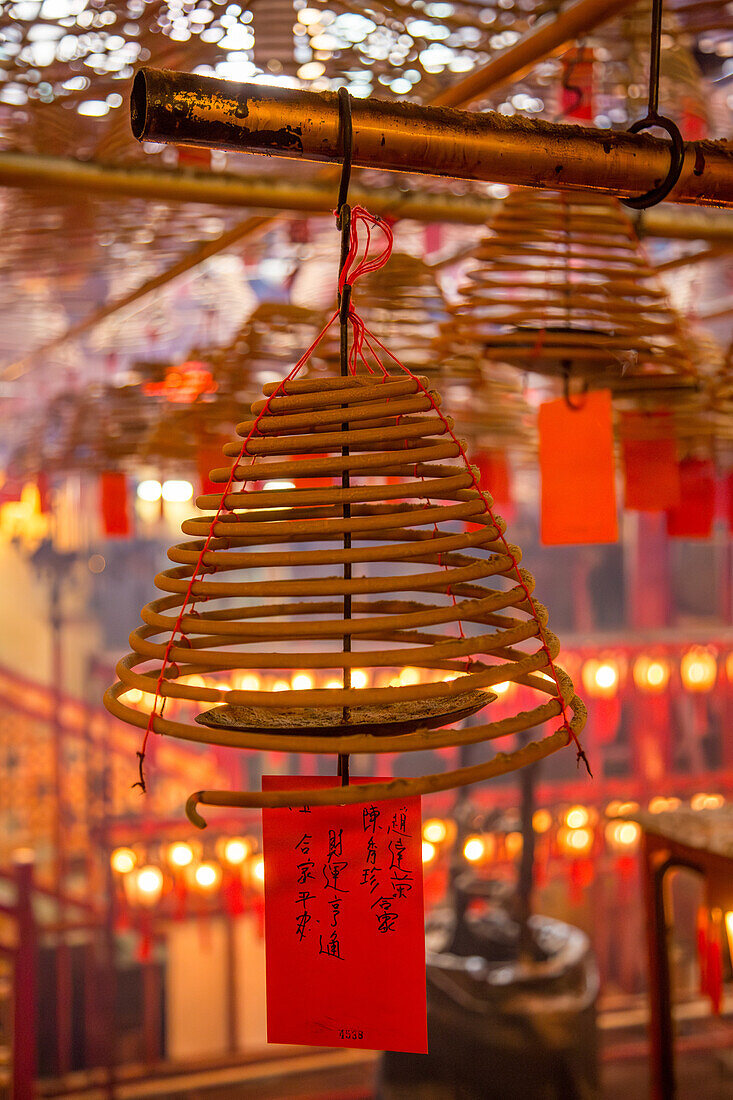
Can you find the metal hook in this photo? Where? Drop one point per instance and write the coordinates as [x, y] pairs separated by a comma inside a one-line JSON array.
[[566, 389], [346, 141], [653, 118]]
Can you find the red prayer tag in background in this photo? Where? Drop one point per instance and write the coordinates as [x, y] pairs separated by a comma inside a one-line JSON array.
[[651, 470], [344, 923], [694, 515], [576, 464], [115, 512]]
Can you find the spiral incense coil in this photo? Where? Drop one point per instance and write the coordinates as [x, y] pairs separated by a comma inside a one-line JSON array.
[[561, 288], [407, 539], [265, 347], [404, 305], [493, 410], [696, 411]]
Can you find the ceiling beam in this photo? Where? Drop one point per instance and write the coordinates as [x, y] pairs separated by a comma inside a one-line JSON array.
[[547, 38]]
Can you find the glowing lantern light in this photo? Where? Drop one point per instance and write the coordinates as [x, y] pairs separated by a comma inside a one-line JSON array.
[[248, 681], [513, 843], [706, 801], [474, 849], [235, 850], [410, 676], [358, 678], [281, 685], [575, 842], [149, 491], [334, 684], [601, 678], [258, 870], [429, 851], [149, 885], [651, 674], [302, 681], [698, 669], [620, 809], [729, 674], [541, 821], [660, 805], [435, 831], [207, 876], [177, 492], [622, 836], [123, 860], [180, 855], [504, 689], [577, 817]]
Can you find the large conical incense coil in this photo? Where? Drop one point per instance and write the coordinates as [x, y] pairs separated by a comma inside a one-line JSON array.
[[384, 513], [562, 288], [404, 305]]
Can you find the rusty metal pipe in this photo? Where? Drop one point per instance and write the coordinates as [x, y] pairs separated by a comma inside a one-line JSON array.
[[183, 108]]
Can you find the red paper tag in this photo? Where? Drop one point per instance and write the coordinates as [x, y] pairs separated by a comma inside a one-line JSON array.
[[494, 475], [577, 85], [115, 514], [650, 464], [209, 457], [693, 518], [576, 463], [344, 924]]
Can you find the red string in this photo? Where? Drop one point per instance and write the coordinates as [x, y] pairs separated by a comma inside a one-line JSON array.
[[354, 268]]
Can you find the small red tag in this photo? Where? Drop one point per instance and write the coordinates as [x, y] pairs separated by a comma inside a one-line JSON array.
[[209, 456], [576, 463], [344, 923], [693, 517], [114, 503], [650, 462]]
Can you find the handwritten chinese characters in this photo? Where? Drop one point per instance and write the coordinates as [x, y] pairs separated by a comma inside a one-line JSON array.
[[344, 933]]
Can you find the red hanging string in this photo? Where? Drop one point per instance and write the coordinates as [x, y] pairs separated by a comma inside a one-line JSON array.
[[354, 268]]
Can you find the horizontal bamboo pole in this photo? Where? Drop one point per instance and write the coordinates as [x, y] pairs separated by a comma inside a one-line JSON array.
[[71, 178], [189, 109]]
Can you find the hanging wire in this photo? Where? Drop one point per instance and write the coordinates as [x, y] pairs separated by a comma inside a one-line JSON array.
[[343, 221], [653, 118]]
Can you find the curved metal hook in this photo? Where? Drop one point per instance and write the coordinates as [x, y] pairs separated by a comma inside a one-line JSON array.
[[677, 160], [191, 810], [566, 390]]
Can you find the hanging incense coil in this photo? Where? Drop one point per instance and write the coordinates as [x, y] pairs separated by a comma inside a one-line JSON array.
[[561, 288], [267, 344], [493, 410], [404, 305], [101, 428], [264, 348], [696, 411], [264, 567]]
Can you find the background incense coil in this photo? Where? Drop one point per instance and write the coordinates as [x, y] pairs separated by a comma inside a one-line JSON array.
[[404, 305], [696, 411], [422, 588], [563, 289]]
